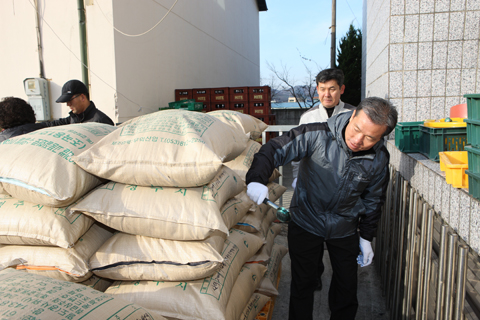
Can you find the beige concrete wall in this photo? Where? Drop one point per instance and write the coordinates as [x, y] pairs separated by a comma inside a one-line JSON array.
[[208, 43]]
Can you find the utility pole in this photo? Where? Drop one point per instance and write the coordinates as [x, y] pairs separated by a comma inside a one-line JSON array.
[[333, 45]]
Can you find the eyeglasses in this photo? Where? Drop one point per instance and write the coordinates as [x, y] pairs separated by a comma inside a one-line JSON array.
[[76, 96]]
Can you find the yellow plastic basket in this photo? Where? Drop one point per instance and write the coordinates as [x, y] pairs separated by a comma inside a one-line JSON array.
[[454, 163]]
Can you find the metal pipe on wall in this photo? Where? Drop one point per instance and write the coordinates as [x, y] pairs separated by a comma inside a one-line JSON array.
[[421, 262], [82, 24], [397, 298], [442, 256], [428, 265], [412, 223], [448, 303], [461, 279]]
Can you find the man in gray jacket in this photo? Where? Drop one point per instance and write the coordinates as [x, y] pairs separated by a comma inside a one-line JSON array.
[[341, 186], [330, 87]]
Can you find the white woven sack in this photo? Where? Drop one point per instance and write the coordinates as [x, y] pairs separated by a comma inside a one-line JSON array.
[[243, 162], [97, 283], [175, 148], [164, 212], [247, 282], [236, 208], [64, 264], [200, 299], [254, 306], [30, 296], [252, 222], [263, 255], [250, 124], [268, 286], [38, 166], [25, 223], [2, 191], [129, 257]]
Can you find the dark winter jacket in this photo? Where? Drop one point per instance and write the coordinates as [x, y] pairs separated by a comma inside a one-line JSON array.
[[19, 130], [91, 114], [337, 191]]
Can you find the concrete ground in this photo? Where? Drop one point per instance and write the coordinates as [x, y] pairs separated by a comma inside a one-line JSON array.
[[371, 303]]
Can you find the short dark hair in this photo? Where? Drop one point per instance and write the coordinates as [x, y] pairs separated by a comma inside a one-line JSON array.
[[380, 111], [331, 74], [15, 112]]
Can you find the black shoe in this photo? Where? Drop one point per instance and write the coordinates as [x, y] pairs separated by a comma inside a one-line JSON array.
[[319, 285]]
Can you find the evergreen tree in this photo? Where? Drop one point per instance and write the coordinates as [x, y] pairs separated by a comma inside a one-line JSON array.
[[350, 62]]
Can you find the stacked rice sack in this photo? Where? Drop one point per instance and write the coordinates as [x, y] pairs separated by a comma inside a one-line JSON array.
[[173, 203], [39, 232]]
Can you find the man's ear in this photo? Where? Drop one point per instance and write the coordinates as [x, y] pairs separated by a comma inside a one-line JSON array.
[[353, 115], [342, 89]]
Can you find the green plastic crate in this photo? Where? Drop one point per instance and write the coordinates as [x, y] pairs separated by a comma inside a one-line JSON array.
[[473, 132], [189, 104], [473, 106], [473, 159], [473, 184], [435, 140], [407, 136]]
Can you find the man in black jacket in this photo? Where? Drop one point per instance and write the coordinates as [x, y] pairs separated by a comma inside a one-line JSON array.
[[341, 186], [16, 118], [76, 95]]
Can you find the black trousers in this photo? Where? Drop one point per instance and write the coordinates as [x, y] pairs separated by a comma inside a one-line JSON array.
[[305, 251]]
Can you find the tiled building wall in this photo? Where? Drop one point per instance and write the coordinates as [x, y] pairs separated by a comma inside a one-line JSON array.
[[422, 55]]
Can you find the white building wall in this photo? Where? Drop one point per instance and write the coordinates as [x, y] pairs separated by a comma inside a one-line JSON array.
[[207, 43]]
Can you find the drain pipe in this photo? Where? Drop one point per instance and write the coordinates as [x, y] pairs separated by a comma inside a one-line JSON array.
[[39, 41], [83, 41]]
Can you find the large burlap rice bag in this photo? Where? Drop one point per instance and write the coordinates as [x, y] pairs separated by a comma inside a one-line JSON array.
[[247, 282], [129, 257], [200, 299], [263, 255], [268, 286], [254, 306], [236, 208], [64, 264], [250, 124], [252, 222], [243, 162], [38, 166], [25, 223], [31, 296], [164, 212], [175, 148]]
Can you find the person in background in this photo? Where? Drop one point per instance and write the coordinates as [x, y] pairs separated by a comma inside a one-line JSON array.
[[341, 187], [76, 95], [329, 87], [16, 118]]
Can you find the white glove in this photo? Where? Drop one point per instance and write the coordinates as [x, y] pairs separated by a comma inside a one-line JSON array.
[[294, 183], [257, 192], [367, 253]]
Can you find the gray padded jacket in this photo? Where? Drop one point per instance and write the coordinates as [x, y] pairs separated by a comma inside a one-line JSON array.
[[337, 191]]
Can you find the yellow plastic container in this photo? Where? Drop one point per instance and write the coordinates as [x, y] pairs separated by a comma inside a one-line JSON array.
[[456, 122], [454, 163]]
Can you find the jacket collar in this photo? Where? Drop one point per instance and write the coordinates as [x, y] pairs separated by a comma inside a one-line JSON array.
[[87, 114]]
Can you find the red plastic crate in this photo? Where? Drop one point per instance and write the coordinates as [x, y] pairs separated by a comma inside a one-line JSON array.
[[239, 106], [219, 106], [183, 94], [207, 107], [201, 95], [238, 94], [268, 119], [260, 108], [259, 93], [219, 95]]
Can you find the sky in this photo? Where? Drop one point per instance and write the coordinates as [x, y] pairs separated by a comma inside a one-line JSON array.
[[290, 30]]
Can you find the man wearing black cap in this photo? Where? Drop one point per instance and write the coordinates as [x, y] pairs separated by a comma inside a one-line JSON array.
[[75, 94]]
